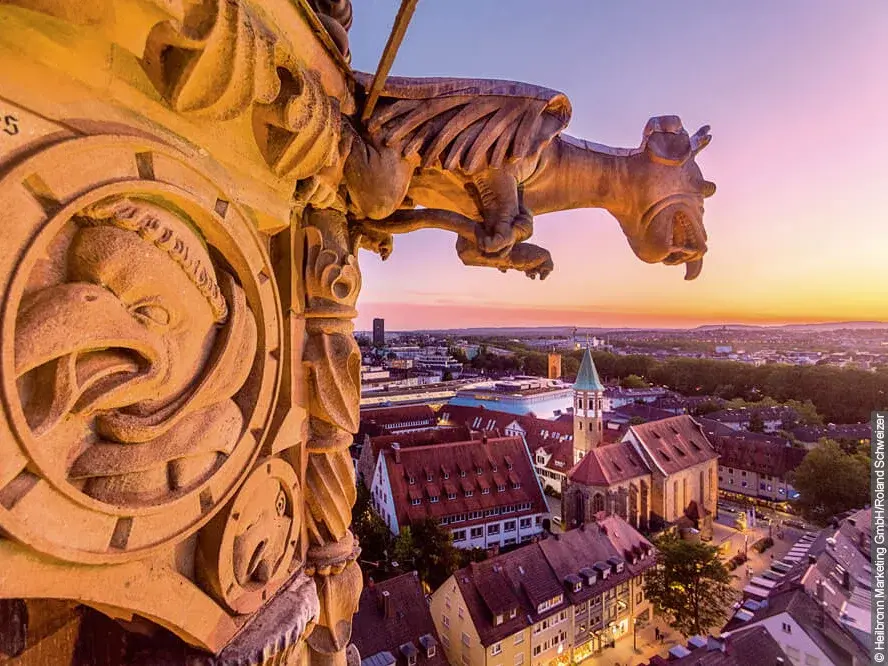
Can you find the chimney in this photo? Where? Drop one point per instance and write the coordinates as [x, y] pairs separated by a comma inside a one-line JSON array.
[[396, 450], [386, 604]]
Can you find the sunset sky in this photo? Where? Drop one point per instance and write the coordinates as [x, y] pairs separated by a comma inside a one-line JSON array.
[[796, 92]]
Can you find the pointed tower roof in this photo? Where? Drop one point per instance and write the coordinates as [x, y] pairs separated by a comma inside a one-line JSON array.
[[587, 377]]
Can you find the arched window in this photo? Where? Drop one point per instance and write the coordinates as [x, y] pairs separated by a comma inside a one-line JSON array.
[[598, 503]]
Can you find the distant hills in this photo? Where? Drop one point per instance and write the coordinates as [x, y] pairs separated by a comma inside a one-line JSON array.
[[515, 331]]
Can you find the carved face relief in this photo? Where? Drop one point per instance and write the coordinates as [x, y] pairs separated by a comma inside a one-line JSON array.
[[244, 554], [120, 350], [666, 219]]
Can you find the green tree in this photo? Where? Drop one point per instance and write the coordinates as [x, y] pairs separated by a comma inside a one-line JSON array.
[[690, 585], [830, 481], [374, 534], [428, 549], [637, 420], [707, 407], [756, 424], [633, 381]]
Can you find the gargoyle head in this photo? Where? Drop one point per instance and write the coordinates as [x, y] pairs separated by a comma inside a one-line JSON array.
[[664, 221]]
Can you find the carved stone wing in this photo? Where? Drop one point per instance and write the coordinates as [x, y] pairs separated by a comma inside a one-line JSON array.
[[466, 124]]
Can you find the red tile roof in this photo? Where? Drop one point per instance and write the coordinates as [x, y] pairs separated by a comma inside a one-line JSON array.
[[409, 619], [392, 417], [421, 438], [762, 457], [675, 443], [609, 464], [524, 578], [462, 460]]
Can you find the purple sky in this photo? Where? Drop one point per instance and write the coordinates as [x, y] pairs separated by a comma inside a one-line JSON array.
[[796, 92]]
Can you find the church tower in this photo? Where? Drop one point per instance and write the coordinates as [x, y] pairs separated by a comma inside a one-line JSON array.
[[588, 399]]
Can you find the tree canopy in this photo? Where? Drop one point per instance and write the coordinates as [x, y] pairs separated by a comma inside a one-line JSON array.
[[690, 585], [830, 481]]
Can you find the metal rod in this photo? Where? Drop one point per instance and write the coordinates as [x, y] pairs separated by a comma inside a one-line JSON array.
[[399, 29]]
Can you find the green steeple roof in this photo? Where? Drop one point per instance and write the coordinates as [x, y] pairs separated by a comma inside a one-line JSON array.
[[587, 377]]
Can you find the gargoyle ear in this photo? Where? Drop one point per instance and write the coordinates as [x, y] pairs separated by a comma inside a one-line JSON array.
[[666, 141], [701, 139], [708, 188]]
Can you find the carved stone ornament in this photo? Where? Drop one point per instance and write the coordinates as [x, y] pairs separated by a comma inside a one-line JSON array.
[[139, 343], [245, 554]]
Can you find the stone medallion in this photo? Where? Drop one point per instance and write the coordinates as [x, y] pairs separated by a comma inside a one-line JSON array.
[[140, 341]]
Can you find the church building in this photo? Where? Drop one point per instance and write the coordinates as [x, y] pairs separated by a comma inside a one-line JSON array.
[[662, 472]]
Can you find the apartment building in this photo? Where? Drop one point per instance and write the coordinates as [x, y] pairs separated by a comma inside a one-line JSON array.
[[485, 491], [554, 602]]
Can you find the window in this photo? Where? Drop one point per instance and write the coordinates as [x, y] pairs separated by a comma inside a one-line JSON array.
[[462, 473], [493, 529], [451, 496], [485, 491], [493, 468], [479, 471], [466, 640], [477, 532], [469, 493], [447, 601], [433, 499], [519, 658], [525, 523], [497, 621], [496, 648], [509, 526], [787, 628], [411, 479], [446, 475], [459, 535], [513, 613], [461, 612], [446, 620], [411, 660], [445, 639], [519, 638], [536, 650], [516, 485], [416, 502]]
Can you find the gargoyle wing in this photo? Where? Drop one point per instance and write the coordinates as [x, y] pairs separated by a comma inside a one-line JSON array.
[[466, 124]]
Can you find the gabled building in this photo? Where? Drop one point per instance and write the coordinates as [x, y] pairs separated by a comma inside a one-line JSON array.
[[660, 472], [556, 601], [394, 627], [393, 420], [485, 492]]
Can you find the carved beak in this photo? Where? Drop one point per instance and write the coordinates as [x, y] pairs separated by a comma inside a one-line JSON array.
[[77, 348]]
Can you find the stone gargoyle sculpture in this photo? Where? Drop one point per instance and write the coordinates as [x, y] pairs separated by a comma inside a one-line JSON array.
[[480, 157]]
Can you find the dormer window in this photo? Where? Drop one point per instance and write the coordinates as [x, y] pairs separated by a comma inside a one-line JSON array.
[[479, 471], [411, 479], [577, 586], [433, 499], [498, 620], [469, 493], [513, 613], [516, 485], [429, 478], [462, 473], [446, 475], [500, 488], [493, 467], [451, 496], [415, 502], [485, 491]]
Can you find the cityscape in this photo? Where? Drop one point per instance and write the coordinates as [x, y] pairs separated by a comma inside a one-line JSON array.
[[528, 484]]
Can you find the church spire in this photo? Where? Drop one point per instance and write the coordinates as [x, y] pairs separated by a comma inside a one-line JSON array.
[[587, 377]]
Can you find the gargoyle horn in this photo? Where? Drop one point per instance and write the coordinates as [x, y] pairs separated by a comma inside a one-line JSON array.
[[701, 139], [226, 371]]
